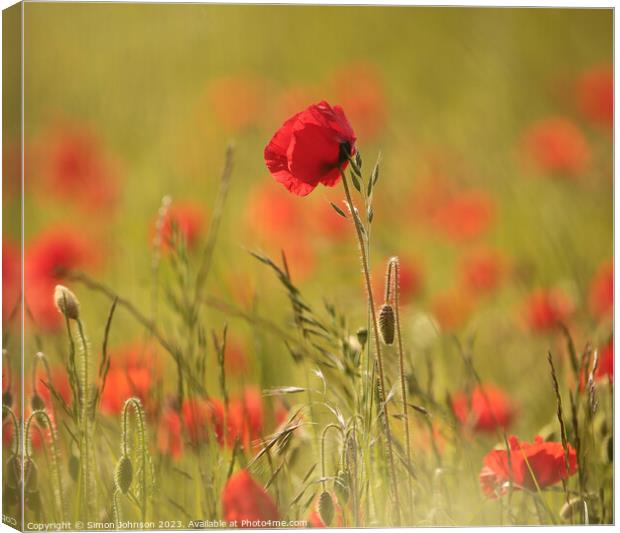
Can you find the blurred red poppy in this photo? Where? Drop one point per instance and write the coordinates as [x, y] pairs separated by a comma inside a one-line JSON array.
[[465, 215], [556, 145], [601, 295], [75, 166], [529, 466], [359, 88], [594, 93], [189, 220], [310, 147], [451, 308], [326, 222], [169, 431], [483, 270], [133, 371], [48, 255], [486, 409], [282, 227], [247, 503], [546, 309], [198, 416]]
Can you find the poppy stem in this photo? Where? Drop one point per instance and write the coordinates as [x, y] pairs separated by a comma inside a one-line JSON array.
[[375, 327], [394, 278]]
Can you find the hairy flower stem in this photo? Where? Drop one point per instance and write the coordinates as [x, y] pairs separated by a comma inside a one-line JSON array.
[[142, 451], [84, 421], [42, 415], [375, 328], [394, 277]]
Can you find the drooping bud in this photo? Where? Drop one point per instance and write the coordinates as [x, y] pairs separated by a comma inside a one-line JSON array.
[[73, 467], [37, 403], [362, 336], [123, 474], [12, 472], [326, 508], [387, 323], [66, 302]]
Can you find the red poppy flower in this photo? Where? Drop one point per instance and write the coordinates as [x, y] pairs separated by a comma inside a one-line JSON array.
[[133, 371], [595, 95], [546, 309], [556, 145], [601, 295], [189, 220], [169, 431], [359, 88], [310, 147], [74, 166], [246, 502], [482, 270], [465, 215], [487, 409], [11, 277], [530, 466], [47, 256]]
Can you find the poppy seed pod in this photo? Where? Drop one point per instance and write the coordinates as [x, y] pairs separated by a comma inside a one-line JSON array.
[[326, 508], [386, 323], [66, 302], [123, 474]]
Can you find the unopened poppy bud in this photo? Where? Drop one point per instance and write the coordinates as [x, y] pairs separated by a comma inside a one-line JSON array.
[[37, 403], [326, 508], [66, 302], [12, 472], [362, 336], [386, 323], [123, 474], [73, 467]]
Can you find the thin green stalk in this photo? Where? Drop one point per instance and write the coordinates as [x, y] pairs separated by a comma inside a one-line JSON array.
[[84, 419], [55, 457], [371, 305], [395, 266]]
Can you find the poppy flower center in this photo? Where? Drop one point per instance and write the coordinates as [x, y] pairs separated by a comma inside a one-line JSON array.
[[345, 152]]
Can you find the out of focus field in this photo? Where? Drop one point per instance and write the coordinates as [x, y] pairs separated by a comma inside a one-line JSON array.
[[496, 184]]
